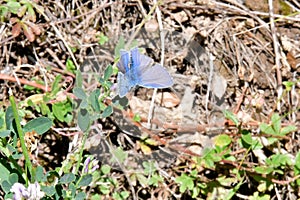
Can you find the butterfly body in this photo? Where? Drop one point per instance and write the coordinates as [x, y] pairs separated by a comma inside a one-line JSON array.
[[136, 69]]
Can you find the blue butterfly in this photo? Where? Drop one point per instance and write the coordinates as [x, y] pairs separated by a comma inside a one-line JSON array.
[[136, 69]]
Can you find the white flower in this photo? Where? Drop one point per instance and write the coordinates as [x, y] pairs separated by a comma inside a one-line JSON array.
[[33, 192]]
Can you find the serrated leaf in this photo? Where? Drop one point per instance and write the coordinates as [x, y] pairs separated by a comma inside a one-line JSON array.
[[40, 125], [186, 182], [288, 129], [67, 178], [142, 179], [265, 128]]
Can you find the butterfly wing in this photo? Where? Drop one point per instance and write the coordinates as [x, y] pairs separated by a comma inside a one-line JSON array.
[[124, 85], [124, 62], [155, 77]]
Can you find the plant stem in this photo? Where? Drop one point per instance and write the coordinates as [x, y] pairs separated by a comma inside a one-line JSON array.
[[28, 163], [81, 151]]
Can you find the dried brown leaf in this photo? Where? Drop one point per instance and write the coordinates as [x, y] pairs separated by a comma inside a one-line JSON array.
[[14, 20], [16, 30], [28, 33], [35, 28]]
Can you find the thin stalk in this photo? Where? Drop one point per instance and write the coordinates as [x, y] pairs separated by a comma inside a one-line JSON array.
[[28, 164], [85, 135]]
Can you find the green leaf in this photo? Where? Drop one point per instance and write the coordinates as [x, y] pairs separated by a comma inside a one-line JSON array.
[[61, 110], [67, 178], [85, 180], [4, 133], [149, 167], [80, 196], [84, 104], [39, 174], [137, 118], [102, 39], [222, 140], [97, 197], [288, 129], [58, 111], [49, 190], [264, 169], [229, 115], [1, 122], [94, 100], [120, 45], [40, 125], [118, 155], [4, 171], [276, 122], [265, 128], [105, 169], [142, 179], [296, 167], [246, 137], [78, 82], [155, 180], [186, 182], [13, 6], [83, 119], [79, 93], [9, 117], [108, 72], [107, 112], [70, 65], [278, 160], [5, 185], [13, 178], [55, 86]]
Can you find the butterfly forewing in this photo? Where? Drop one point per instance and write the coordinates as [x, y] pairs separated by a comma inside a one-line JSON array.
[[123, 64]]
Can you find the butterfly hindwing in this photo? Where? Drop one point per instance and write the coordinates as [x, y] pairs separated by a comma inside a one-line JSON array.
[[156, 77], [136, 69], [123, 84]]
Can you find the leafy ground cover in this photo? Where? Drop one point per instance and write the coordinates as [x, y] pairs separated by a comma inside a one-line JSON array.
[[227, 129]]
